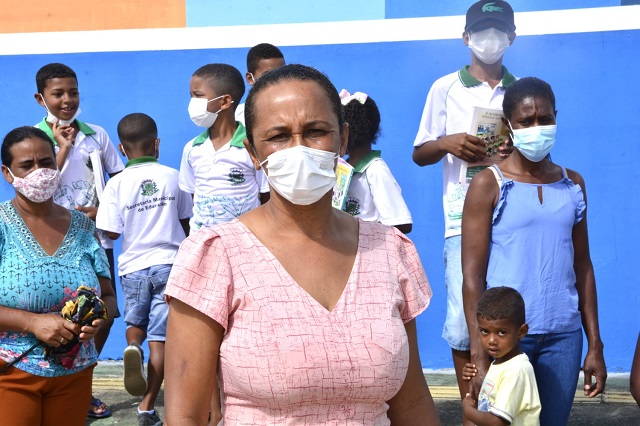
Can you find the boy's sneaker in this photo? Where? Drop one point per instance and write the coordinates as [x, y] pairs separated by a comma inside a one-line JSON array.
[[146, 419], [134, 381]]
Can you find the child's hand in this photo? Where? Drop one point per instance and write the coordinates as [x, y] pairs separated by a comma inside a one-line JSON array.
[[64, 134], [91, 212], [469, 371], [468, 402]]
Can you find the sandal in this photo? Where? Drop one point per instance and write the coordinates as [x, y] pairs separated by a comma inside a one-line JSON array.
[[97, 405]]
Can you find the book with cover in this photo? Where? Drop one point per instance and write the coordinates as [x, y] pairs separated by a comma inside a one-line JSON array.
[[344, 173], [487, 125], [98, 172]]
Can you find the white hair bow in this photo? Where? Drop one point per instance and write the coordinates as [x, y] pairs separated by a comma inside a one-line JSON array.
[[346, 97]]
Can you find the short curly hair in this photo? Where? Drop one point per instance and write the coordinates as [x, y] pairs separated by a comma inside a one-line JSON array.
[[225, 79], [51, 71], [502, 303], [259, 52], [364, 122]]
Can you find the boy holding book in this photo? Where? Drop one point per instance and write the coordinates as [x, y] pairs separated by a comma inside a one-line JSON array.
[[442, 135], [84, 153]]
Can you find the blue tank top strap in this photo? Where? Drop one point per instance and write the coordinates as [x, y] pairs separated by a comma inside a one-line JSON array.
[[564, 173], [497, 168], [497, 173]]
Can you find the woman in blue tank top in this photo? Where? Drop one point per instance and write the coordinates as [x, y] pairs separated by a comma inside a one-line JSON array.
[[524, 226]]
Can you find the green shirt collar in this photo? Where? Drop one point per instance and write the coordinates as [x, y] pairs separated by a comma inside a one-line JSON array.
[[366, 160], [83, 127], [468, 80], [140, 160], [236, 140]]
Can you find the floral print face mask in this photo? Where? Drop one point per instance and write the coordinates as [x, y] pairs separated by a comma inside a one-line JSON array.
[[39, 185]]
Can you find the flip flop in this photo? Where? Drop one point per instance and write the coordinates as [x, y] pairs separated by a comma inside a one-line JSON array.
[[95, 402]]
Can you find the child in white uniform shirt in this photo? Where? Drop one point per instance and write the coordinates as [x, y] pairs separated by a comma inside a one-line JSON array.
[[373, 195], [146, 206], [74, 143], [215, 166]]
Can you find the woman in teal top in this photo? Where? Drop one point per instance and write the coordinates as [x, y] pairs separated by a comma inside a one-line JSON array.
[[46, 253], [524, 225]]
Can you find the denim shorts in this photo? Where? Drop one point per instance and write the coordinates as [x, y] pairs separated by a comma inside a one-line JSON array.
[[455, 330], [144, 304]]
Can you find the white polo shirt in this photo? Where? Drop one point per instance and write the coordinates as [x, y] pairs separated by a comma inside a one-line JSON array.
[[77, 182], [374, 195], [224, 183], [145, 204], [448, 110]]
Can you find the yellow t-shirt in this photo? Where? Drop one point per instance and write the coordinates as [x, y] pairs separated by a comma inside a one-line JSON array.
[[510, 391]]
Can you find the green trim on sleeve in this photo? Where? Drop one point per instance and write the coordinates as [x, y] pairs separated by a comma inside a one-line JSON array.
[[367, 160], [140, 160]]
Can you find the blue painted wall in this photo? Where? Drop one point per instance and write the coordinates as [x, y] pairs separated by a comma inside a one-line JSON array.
[[591, 73]]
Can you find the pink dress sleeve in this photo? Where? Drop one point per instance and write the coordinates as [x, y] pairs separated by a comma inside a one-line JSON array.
[[201, 275], [411, 278]]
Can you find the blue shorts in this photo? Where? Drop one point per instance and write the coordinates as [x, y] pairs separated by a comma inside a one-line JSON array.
[[144, 304], [455, 330]]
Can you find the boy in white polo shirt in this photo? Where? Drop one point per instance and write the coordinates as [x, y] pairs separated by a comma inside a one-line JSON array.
[[261, 58], [144, 204], [215, 166], [446, 119], [76, 143]]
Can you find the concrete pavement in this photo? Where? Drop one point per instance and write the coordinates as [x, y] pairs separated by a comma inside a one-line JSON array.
[[615, 407]]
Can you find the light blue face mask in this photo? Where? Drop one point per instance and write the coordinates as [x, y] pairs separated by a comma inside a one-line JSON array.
[[534, 143]]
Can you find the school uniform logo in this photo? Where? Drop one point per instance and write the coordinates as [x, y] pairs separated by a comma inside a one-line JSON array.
[[148, 188], [236, 176], [352, 206]]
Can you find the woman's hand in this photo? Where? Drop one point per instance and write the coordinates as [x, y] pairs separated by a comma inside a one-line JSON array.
[[53, 330], [88, 332], [594, 367]]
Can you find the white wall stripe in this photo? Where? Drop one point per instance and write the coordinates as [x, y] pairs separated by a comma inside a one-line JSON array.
[[347, 32]]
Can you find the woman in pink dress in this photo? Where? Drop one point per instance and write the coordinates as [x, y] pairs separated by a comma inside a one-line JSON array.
[[304, 314]]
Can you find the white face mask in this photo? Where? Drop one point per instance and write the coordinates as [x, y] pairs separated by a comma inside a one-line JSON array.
[[52, 118], [489, 45], [300, 174], [199, 114], [39, 185]]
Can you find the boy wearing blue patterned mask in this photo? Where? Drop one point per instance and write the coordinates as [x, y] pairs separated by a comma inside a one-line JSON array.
[[446, 119]]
